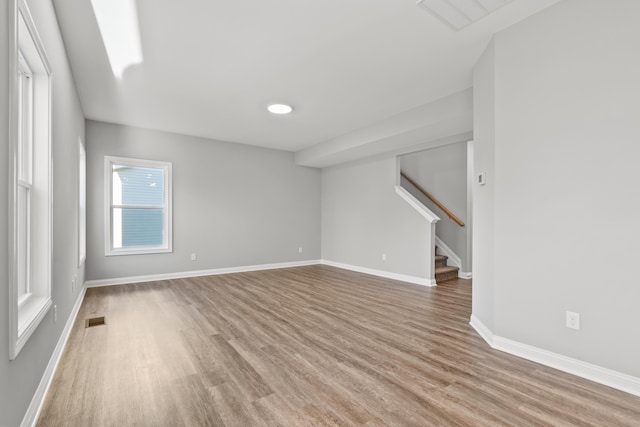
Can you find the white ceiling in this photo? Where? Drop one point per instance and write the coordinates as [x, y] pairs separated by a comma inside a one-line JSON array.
[[211, 67]]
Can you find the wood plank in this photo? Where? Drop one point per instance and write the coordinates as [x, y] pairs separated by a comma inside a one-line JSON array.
[[305, 346]]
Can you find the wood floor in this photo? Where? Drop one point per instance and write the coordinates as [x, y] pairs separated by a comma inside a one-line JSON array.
[[303, 347]]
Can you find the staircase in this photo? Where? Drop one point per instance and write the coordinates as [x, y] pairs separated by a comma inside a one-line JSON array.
[[444, 272]]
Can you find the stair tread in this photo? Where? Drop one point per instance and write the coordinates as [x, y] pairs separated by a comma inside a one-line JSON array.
[[446, 269], [445, 273]]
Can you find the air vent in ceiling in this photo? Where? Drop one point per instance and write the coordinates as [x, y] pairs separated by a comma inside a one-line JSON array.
[[460, 13]]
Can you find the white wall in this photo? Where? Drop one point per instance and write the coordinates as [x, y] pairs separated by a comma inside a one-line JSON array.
[[363, 217], [234, 205], [442, 172], [566, 192], [20, 377]]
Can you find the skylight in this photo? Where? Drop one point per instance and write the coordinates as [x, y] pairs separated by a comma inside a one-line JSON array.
[[118, 23]]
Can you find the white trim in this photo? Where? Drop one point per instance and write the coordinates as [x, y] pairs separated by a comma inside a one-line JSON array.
[[608, 377], [380, 273], [12, 235], [24, 320], [33, 411], [415, 203], [167, 245], [482, 330], [453, 257], [465, 275], [248, 268], [82, 203], [31, 315], [196, 273], [469, 221], [589, 371]]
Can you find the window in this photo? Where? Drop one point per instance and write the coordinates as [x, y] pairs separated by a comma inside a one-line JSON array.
[[138, 206], [30, 175], [24, 181], [82, 203]]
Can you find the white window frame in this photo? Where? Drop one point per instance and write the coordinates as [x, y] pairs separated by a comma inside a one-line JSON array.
[[82, 203], [30, 174], [24, 160], [167, 245]]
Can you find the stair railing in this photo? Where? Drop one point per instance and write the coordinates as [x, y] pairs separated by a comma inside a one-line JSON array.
[[433, 199]]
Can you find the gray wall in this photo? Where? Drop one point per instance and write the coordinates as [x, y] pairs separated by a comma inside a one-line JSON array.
[[20, 377], [363, 217], [565, 181], [234, 205], [442, 172], [483, 196]]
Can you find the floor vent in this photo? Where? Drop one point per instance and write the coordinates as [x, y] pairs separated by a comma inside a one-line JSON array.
[[94, 321]]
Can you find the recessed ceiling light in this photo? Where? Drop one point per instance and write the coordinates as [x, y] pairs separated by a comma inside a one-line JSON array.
[[280, 108]]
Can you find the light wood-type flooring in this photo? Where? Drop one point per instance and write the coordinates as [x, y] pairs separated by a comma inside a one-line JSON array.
[[303, 347]]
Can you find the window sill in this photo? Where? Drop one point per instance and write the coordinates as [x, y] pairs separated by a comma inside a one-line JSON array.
[[30, 316], [138, 251], [23, 300]]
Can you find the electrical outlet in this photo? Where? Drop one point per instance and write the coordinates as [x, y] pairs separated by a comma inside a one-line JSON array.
[[194, 257], [573, 320], [55, 313], [73, 285], [482, 178], [384, 257], [300, 250]]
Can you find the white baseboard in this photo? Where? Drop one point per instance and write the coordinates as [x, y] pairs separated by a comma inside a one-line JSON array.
[[196, 273], [482, 330], [465, 275], [380, 273], [243, 269], [33, 411], [598, 374]]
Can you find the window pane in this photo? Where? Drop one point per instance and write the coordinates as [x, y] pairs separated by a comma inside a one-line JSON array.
[[137, 227], [135, 186], [25, 141], [23, 242]]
